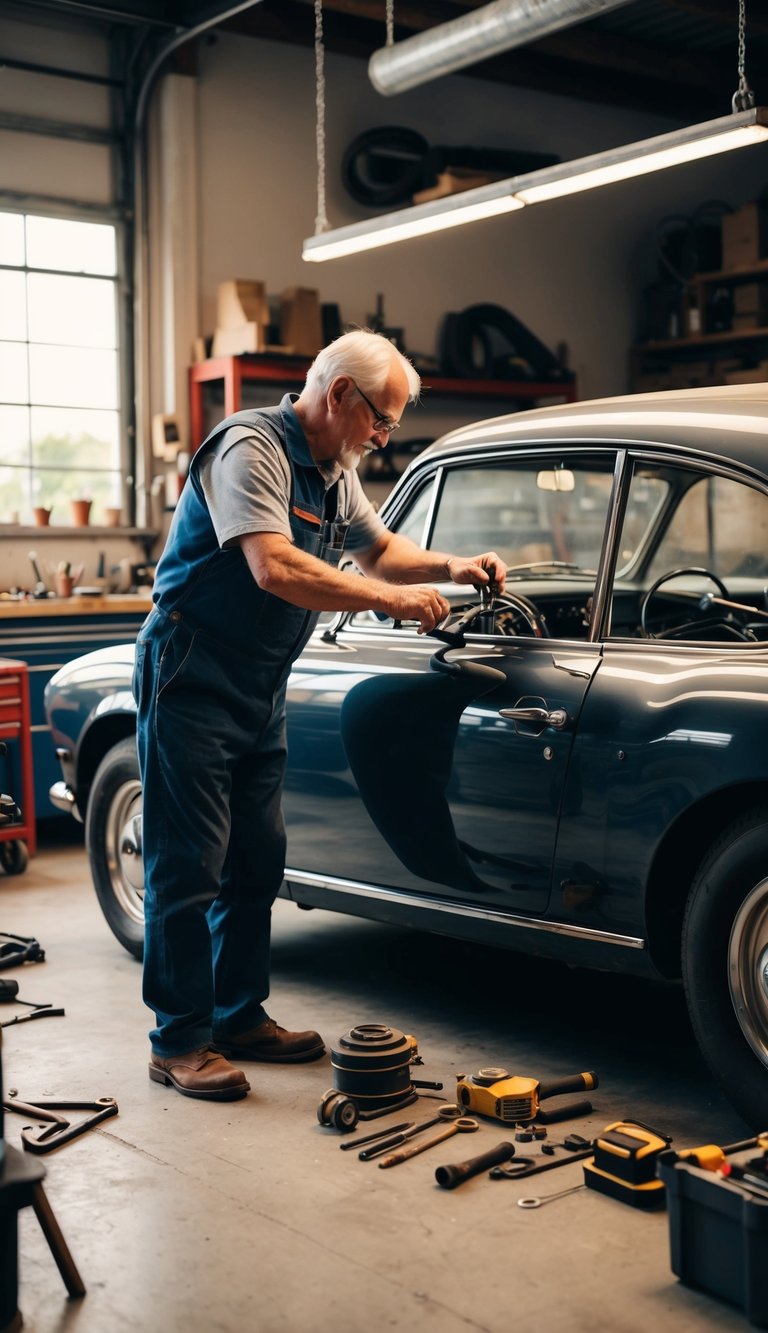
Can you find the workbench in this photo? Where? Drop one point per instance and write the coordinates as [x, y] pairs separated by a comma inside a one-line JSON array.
[[45, 634]]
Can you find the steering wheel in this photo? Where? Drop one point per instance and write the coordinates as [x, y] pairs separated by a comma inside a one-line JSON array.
[[512, 608], [720, 618]]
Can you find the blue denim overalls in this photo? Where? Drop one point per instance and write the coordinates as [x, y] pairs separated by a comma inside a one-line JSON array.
[[212, 660]]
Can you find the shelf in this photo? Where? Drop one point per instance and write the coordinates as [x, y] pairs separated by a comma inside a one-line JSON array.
[[758, 270], [703, 340], [290, 371], [59, 530]]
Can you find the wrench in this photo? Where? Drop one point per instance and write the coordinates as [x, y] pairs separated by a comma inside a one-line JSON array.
[[549, 1198], [450, 1112], [465, 1124]]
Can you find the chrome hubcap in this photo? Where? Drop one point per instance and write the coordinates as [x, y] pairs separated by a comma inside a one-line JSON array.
[[748, 969], [124, 850]]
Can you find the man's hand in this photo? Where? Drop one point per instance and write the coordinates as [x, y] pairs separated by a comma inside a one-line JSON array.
[[483, 570], [417, 601]]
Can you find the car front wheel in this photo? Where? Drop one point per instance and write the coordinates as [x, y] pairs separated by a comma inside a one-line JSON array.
[[113, 839], [725, 963]]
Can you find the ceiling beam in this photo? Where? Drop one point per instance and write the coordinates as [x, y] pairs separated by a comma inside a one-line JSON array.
[[583, 62]]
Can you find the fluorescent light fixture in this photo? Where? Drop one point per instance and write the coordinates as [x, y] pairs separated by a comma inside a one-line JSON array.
[[738, 130], [638, 159], [486, 201]]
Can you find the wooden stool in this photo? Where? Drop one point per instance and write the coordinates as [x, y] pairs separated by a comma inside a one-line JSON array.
[[21, 1185]]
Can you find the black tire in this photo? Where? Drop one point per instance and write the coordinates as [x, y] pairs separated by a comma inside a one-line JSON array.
[[113, 840], [725, 963], [14, 856]]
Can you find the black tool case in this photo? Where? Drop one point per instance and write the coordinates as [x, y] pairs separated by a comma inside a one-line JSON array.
[[718, 1235]]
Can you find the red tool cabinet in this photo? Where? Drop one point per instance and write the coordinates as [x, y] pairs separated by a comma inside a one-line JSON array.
[[15, 726]]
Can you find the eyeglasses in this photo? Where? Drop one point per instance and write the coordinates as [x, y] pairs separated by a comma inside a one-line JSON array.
[[380, 422]]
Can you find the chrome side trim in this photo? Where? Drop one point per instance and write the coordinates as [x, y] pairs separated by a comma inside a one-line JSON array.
[[355, 888]]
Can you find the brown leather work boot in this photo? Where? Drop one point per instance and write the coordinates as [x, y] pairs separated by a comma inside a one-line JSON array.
[[271, 1043], [203, 1073]]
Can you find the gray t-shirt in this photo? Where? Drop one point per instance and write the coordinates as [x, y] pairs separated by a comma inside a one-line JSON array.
[[246, 481]]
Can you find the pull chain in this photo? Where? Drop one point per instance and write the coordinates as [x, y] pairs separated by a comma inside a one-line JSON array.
[[390, 19], [321, 220], [743, 99]]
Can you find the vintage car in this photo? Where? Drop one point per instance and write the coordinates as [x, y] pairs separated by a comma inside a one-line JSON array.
[[577, 769]]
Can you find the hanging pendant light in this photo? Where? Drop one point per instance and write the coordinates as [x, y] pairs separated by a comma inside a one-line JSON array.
[[747, 124]]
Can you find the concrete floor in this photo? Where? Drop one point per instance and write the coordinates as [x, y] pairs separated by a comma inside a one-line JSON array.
[[182, 1215]]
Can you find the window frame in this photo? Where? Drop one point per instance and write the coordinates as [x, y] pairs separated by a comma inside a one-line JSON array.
[[125, 410]]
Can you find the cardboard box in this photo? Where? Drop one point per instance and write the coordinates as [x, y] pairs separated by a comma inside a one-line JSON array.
[[453, 181], [745, 236], [243, 338], [241, 302], [301, 323]]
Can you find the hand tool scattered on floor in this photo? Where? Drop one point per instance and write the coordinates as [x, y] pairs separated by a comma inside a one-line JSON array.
[[56, 1129], [9, 994], [523, 1167], [451, 1176], [15, 949], [381, 1134], [538, 1202], [394, 1140], [464, 1125], [571, 1142]]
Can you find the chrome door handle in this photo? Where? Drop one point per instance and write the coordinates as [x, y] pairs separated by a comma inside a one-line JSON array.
[[543, 717]]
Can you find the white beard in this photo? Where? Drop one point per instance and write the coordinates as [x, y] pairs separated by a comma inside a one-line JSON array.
[[350, 457]]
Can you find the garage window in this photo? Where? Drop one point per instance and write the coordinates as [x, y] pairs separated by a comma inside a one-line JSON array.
[[59, 366]]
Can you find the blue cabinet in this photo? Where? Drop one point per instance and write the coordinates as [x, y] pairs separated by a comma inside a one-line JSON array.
[[45, 635]]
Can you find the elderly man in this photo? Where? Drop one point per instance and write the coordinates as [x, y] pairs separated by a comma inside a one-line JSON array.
[[251, 559]]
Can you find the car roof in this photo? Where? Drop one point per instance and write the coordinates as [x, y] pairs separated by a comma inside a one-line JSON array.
[[729, 421]]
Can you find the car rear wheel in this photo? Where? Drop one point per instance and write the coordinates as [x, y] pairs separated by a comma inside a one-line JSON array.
[[113, 839], [725, 963]]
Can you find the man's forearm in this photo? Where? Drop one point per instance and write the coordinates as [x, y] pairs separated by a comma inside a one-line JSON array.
[[401, 561], [303, 580]]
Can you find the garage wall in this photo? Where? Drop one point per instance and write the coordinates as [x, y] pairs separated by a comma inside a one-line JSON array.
[[36, 163], [572, 270]]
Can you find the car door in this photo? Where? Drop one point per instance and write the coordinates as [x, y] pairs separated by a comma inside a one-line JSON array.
[[440, 768]]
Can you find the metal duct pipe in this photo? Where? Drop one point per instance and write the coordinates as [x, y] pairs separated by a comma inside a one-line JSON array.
[[485, 32]]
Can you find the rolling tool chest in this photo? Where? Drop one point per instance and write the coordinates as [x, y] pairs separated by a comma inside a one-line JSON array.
[[15, 726]]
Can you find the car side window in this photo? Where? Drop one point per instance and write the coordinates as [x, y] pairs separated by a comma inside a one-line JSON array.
[[696, 570], [544, 514]]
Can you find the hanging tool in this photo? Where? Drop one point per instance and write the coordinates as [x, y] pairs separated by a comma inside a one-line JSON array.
[[57, 1130], [496, 1093], [449, 1112], [40, 589], [464, 1125], [451, 1176]]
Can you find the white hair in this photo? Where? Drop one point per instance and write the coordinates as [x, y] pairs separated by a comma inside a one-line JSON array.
[[367, 358]]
